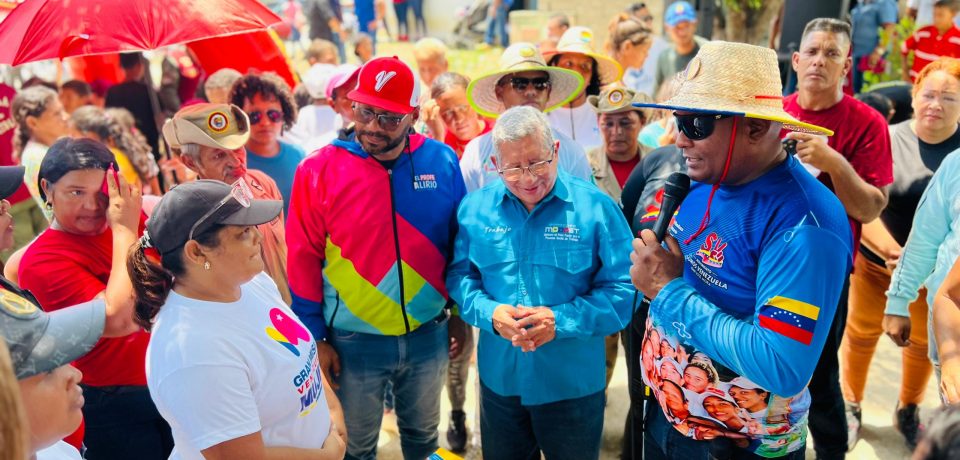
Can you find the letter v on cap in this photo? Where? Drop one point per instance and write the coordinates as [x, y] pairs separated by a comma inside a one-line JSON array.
[[382, 78]]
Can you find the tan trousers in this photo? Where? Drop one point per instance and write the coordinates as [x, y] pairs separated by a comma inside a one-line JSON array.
[[868, 285]]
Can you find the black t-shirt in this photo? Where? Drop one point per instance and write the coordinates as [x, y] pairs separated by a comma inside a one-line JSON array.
[[134, 96], [914, 163], [643, 192]]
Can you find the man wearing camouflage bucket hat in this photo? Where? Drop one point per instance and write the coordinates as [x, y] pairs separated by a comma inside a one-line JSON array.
[[756, 255], [209, 139], [523, 79]]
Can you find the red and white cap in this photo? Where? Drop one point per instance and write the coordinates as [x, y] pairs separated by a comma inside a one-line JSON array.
[[389, 84]]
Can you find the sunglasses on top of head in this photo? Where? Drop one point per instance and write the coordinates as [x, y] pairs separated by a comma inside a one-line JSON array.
[[273, 115], [697, 126]]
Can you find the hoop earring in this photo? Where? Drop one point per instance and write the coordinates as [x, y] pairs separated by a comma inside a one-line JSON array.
[[48, 205]]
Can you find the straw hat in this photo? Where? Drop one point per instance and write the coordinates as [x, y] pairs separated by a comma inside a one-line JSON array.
[[522, 57], [734, 79], [619, 100], [579, 40]]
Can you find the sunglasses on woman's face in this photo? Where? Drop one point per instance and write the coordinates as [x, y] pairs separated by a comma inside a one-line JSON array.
[[697, 126], [273, 115]]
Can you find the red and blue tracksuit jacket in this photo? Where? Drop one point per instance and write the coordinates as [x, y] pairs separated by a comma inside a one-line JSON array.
[[368, 246]]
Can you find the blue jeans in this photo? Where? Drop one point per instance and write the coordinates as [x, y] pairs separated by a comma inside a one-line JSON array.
[[341, 50], [421, 23], [416, 364], [662, 441], [122, 422], [564, 430], [401, 10], [498, 24]]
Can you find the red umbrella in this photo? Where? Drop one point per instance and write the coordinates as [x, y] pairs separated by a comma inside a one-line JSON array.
[[47, 29], [261, 50]]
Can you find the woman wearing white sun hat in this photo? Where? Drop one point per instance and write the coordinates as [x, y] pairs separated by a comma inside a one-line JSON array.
[[575, 52]]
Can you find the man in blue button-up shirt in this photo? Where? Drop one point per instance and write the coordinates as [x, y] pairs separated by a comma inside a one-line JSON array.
[[541, 266]]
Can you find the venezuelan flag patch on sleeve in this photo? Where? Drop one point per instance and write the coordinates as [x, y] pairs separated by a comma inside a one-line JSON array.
[[791, 318]]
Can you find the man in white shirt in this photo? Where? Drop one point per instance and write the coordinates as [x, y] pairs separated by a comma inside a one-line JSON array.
[[523, 79]]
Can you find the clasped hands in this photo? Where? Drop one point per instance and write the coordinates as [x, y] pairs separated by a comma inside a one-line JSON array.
[[526, 327]]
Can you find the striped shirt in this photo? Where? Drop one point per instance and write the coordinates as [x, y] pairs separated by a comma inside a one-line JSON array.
[[928, 45]]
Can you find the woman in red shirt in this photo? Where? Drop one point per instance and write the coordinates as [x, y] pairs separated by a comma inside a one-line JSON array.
[[83, 256]]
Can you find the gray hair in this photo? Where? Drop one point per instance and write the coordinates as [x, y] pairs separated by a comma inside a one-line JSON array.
[[518, 123], [447, 81], [191, 150], [222, 79]]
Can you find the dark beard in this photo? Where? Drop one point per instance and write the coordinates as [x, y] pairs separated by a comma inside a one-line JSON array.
[[390, 143]]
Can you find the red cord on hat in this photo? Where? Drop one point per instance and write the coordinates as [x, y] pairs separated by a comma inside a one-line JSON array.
[[706, 214]]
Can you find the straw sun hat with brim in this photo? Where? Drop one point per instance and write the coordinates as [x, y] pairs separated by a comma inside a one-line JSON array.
[[579, 40], [522, 57], [734, 79]]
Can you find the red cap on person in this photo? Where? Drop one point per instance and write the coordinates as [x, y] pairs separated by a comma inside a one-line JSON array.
[[387, 83]]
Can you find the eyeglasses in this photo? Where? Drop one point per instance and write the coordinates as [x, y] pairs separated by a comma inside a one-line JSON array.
[[273, 115], [646, 18], [521, 84], [454, 113], [535, 169], [697, 126], [239, 191], [386, 121]]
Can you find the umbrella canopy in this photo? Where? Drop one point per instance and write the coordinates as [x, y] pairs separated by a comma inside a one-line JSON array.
[[48, 29], [261, 50]]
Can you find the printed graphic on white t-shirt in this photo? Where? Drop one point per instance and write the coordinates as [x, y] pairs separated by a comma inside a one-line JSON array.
[[219, 371]]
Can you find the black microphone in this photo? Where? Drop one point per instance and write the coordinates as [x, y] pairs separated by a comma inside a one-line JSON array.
[[675, 190]]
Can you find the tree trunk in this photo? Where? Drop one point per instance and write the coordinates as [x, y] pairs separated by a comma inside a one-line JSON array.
[[745, 24]]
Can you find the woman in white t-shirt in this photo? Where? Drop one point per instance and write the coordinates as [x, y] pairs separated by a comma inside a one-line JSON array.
[[229, 365]]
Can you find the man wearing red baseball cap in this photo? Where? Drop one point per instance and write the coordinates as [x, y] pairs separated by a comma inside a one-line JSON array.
[[369, 234]]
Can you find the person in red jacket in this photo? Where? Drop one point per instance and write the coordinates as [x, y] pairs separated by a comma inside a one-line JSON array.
[[940, 39]]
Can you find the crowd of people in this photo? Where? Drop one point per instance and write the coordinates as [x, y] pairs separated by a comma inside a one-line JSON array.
[[234, 268]]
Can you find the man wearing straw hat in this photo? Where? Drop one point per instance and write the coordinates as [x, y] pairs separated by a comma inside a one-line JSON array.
[[574, 52], [753, 267], [857, 165], [523, 79]]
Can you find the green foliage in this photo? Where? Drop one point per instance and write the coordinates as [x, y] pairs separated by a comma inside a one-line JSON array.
[[736, 5], [895, 61]]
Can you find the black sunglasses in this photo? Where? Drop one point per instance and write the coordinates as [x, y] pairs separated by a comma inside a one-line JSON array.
[[521, 84], [387, 121], [273, 115], [697, 126]]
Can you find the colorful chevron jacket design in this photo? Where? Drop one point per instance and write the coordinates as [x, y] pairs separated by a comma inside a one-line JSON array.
[[368, 246]]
